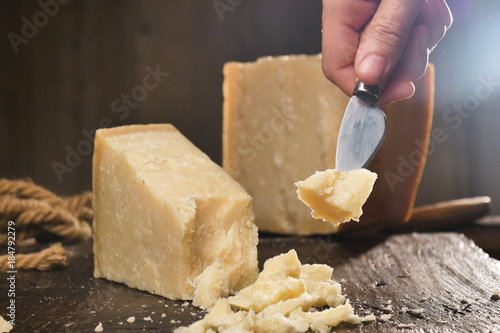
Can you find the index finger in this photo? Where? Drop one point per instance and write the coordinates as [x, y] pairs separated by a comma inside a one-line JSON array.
[[342, 22]]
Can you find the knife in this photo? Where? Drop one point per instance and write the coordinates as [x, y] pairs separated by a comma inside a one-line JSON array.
[[363, 129]]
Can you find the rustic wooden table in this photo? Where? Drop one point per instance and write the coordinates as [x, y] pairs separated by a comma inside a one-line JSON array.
[[443, 273]]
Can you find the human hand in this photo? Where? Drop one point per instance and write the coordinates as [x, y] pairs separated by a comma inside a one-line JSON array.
[[393, 49]]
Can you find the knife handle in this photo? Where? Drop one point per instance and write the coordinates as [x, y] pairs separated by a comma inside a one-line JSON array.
[[367, 93]]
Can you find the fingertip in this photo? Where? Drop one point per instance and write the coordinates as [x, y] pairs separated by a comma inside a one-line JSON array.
[[372, 69], [445, 13], [396, 91]]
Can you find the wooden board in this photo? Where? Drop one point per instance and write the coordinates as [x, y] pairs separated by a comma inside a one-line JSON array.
[[443, 273]]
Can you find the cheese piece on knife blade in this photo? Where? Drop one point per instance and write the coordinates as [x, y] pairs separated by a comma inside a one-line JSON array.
[[168, 220], [281, 124], [336, 196]]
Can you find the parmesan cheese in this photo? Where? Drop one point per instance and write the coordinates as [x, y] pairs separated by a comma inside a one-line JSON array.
[[99, 328], [168, 220], [5, 326], [385, 317], [281, 123], [287, 297], [336, 196]]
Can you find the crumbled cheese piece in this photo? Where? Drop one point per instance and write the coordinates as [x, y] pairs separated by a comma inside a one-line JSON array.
[[417, 311], [163, 315], [5, 326], [368, 318], [387, 308], [99, 328], [404, 309], [343, 203], [354, 319], [131, 319], [286, 297], [148, 318], [423, 299], [385, 317]]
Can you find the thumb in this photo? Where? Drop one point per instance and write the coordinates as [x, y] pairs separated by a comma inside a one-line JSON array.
[[384, 39]]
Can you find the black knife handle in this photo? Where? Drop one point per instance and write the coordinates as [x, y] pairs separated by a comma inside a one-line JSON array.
[[367, 93]]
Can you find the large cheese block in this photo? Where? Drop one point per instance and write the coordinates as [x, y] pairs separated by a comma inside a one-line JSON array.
[[281, 124], [336, 196], [167, 219]]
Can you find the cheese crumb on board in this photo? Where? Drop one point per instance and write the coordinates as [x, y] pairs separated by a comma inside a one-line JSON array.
[[165, 215], [417, 311], [99, 328], [385, 317], [336, 196], [131, 319], [5, 326], [287, 297], [368, 318]]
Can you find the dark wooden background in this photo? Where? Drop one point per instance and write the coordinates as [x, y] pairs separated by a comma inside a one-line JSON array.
[[61, 83]]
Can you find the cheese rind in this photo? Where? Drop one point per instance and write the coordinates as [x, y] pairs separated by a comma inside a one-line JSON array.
[[281, 123], [167, 219], [336, 196]]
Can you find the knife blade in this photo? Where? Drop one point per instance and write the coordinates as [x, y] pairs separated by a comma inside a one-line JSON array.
[[362, 130]]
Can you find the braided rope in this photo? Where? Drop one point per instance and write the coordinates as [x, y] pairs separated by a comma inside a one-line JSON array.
[[38, 212], [27, 190], [52, 257]]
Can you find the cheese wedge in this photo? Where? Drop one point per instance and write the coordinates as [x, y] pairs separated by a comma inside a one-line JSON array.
[[281, 123], [335, 196], [167, 219]]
